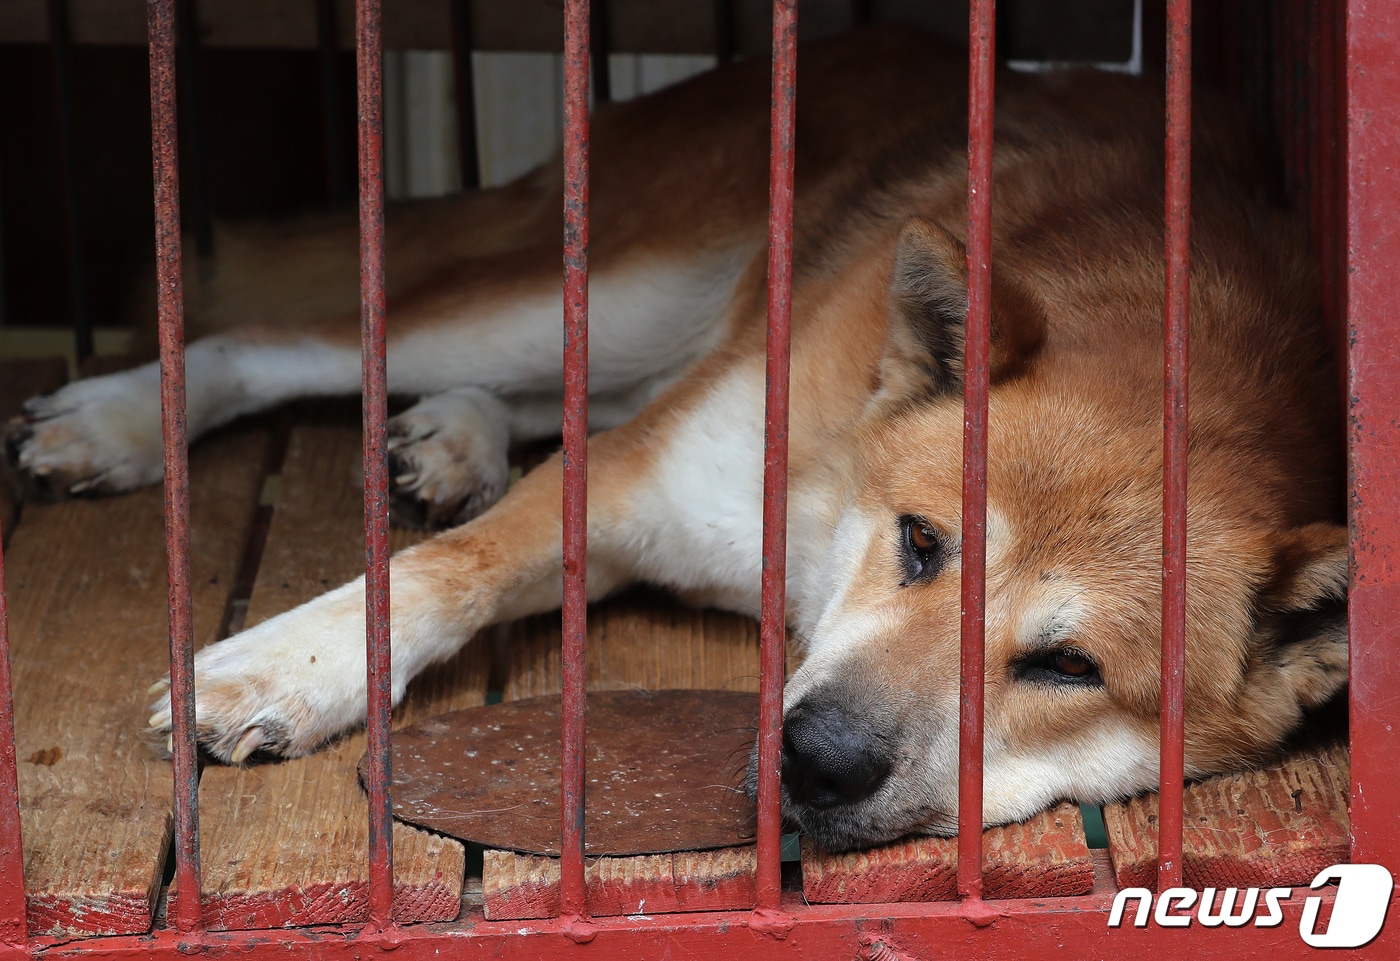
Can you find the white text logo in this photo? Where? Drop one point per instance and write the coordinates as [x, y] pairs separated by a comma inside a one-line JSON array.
[[1358, 911]]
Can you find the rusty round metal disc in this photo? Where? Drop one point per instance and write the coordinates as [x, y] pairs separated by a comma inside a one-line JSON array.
[[665, 773]]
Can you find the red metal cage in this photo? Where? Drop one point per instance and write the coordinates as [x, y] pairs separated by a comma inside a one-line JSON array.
[[1342, 153]]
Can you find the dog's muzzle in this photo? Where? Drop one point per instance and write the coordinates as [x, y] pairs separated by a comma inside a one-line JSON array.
[[835, 762], [832, 758]]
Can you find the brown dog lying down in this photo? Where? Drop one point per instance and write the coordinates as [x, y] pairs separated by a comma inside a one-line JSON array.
[[679, 214]]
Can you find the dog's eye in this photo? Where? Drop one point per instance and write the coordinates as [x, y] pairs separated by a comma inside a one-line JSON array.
[[922, 550], [1064, 666]]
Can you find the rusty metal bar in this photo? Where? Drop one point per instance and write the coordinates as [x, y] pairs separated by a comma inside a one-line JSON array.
[[337, 178], [1372, 199], [772, 627], [981, 93], [464, 91], [375, 406], [1175, 393], [1018, 928], [573, 900], [61, 45], [13, 927], [166, 172]]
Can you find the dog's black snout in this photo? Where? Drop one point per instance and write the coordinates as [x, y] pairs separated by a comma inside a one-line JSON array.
[[831, 757]]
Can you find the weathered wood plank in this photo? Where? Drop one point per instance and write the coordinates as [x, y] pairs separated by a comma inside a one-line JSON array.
[[520, 887], [89, 635], [640, 641], [1275, 826], [285, 844], [19, 381], [1043, 857]]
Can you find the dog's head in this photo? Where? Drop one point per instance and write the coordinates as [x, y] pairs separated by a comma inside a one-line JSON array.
[[1073, 615]]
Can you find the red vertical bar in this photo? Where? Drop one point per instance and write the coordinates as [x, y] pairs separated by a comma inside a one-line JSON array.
[[13, 929], [166, 173], [375, 405], [772, 619], [1175, 331], [572, 896], [981, 92], [1373, 289]]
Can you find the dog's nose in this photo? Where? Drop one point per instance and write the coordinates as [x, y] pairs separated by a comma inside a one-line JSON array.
[[830, 757]]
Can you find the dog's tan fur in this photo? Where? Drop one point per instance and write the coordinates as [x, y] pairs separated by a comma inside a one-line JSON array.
[[1075, 431]]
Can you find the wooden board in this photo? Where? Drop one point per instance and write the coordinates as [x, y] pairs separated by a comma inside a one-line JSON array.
[[284, 844], [88, 628], [1275, 826], [19, 381], [519, 887], [1044, 857], [643, 640]]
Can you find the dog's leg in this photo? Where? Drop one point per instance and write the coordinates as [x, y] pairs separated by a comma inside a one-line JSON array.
[[102, 435], [448, 457], [290, 683], [449, 452]]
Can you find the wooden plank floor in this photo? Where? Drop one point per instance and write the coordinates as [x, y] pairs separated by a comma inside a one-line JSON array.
[[88, 632], [284, 844], [1274, 826], [1046, 857]]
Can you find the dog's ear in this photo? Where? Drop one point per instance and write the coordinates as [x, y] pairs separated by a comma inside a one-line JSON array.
[[928, 311], [1302, 613]]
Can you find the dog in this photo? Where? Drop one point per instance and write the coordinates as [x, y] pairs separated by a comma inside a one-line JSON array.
[[679, 207]]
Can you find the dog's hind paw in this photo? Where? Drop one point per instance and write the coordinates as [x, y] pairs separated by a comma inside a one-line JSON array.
[[448, 459], [95, 436]]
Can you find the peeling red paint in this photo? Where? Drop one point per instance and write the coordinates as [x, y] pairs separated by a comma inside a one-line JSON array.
[[977, 373], [772, 627], [170, 305], [1372, 152], [573, 891]]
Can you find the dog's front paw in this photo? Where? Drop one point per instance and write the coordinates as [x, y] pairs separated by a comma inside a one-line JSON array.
[[282, 688], [235, 719], [94, 436], [448, 459]]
